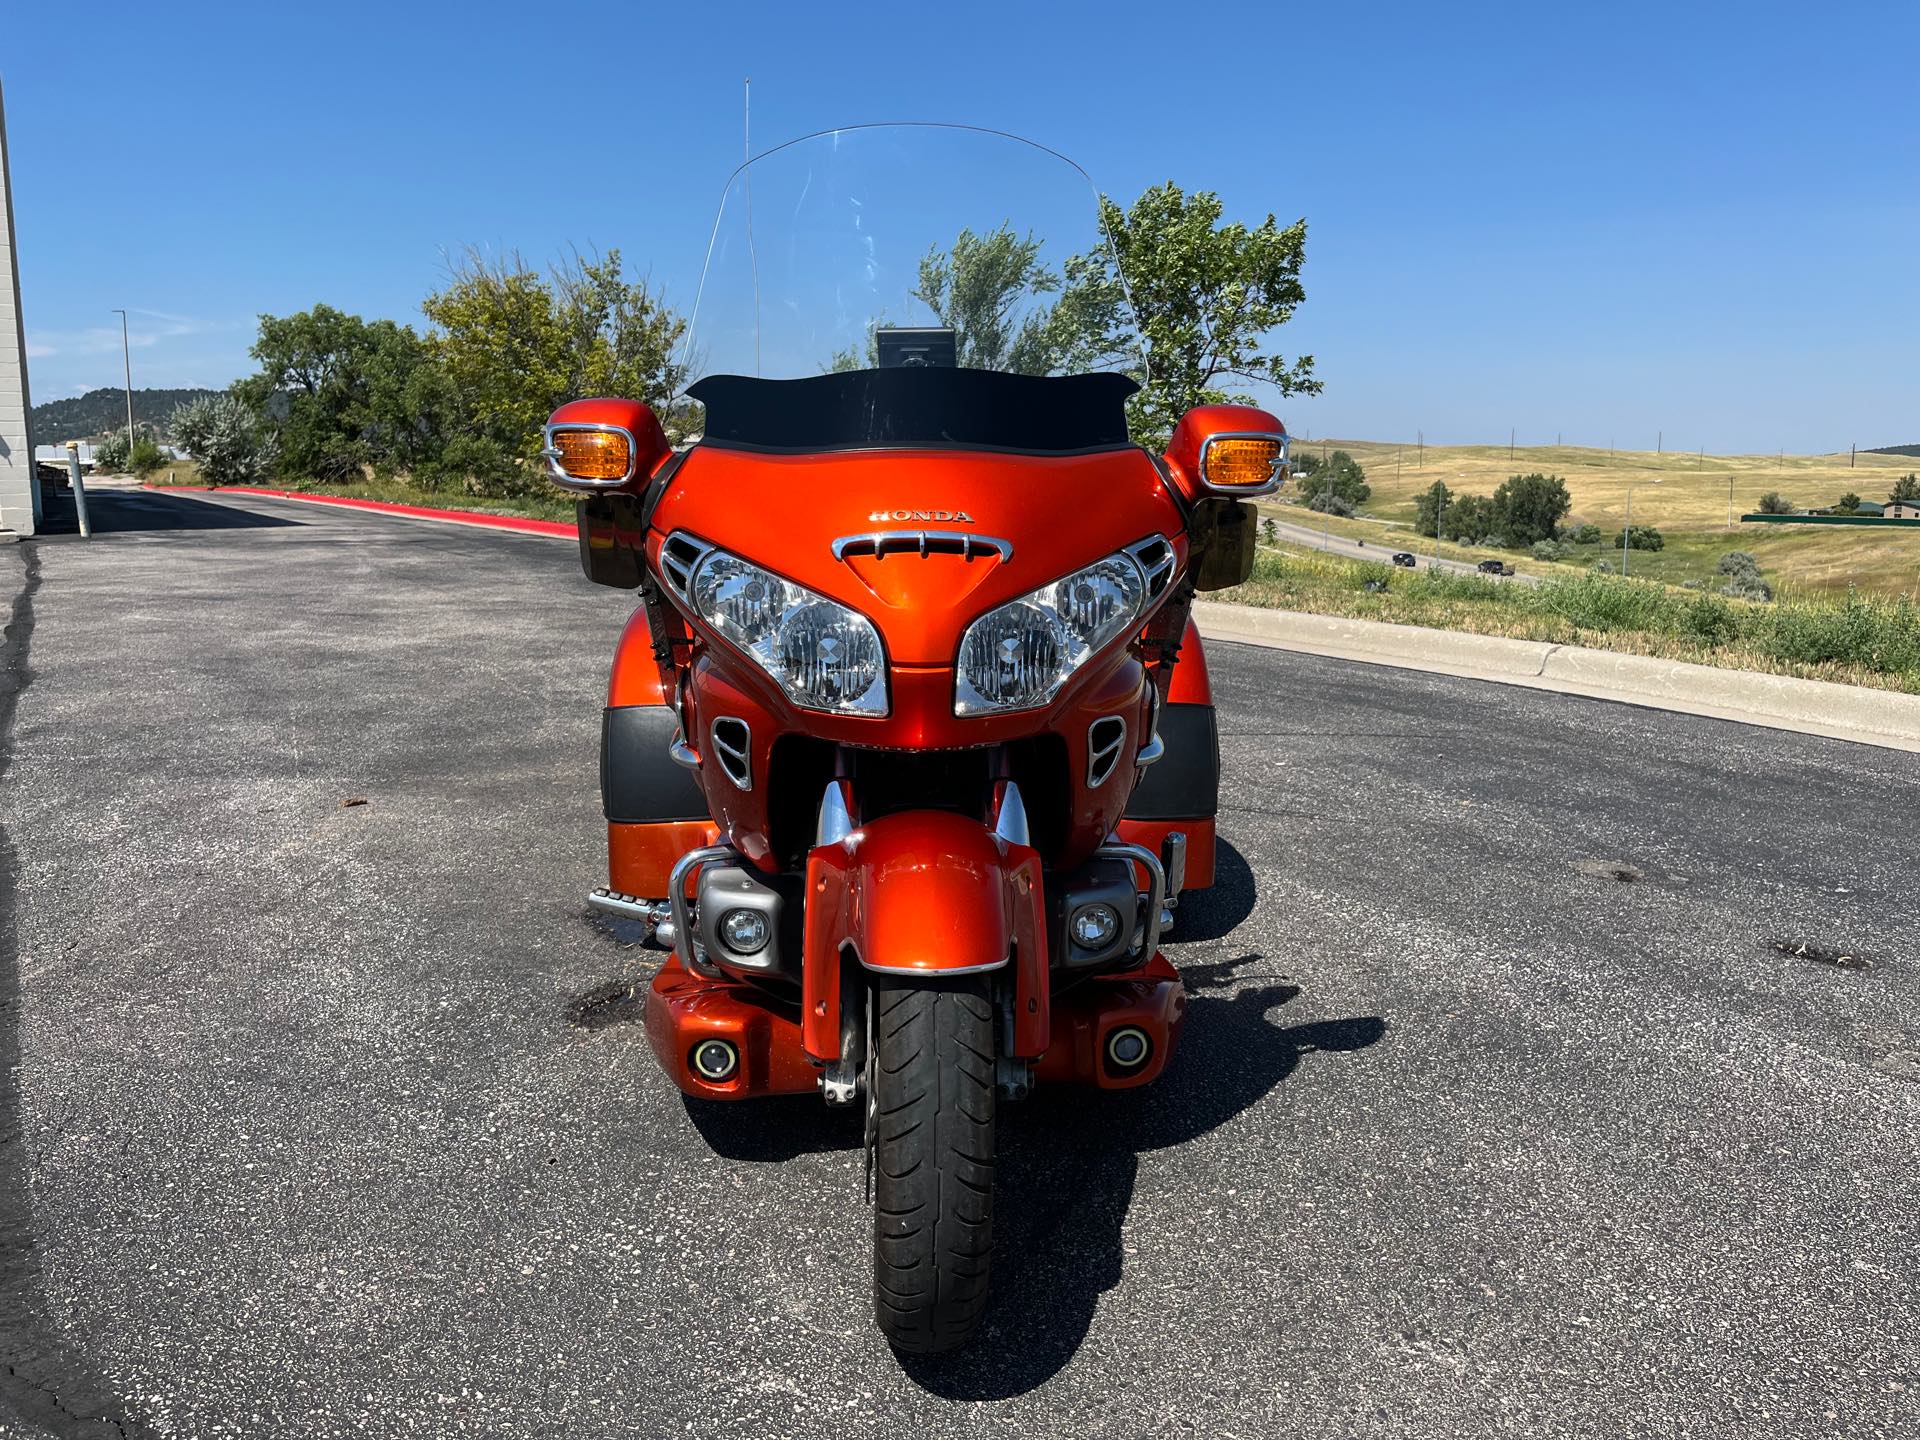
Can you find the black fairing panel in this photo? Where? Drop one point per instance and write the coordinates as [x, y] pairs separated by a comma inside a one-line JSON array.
[[924, 406], [1185, 784], [639, 783]]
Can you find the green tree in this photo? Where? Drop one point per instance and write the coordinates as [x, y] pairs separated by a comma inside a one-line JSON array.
[[1472, 520], [345, 395], [1847, 504], [1205, 295], [229, 440], [1531, 507], [1774, 503], [1427, 508], [1906, 491], [982, 288], [1338, 478], [513, 344]]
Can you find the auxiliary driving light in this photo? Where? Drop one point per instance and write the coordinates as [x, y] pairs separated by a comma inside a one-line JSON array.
[[1095, 926], [715, 1060], [744, 931], [1128, 1047]]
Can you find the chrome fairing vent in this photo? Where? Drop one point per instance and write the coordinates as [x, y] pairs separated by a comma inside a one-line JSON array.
[[733, 749], [680, 556], [1106, 740], [1155, 557]]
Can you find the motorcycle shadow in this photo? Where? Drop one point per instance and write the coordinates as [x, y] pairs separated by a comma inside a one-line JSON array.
[[1219, 910], [1067, 1171]]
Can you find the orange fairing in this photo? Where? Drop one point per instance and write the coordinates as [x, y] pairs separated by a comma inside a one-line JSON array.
[[929, 893]]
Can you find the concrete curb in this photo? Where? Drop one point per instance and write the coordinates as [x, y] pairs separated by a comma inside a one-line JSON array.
[[1810, 707]]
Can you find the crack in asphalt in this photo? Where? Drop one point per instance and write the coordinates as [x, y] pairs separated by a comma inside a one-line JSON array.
[[42, 1379]]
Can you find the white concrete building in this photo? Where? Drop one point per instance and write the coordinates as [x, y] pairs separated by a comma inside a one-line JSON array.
[[19, 484]]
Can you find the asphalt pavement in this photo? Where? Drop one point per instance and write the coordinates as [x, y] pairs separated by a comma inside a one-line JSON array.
[[1553, 1067]]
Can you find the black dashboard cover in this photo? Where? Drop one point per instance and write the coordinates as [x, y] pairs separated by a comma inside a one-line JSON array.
[[917, 406]]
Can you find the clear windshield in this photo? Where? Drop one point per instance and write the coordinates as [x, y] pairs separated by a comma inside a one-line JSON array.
[[887, 245]]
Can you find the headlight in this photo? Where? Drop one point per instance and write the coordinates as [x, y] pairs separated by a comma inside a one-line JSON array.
[[1020, 655], [825, 656]]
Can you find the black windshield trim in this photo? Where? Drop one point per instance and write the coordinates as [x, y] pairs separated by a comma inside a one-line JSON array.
[[920, 408]]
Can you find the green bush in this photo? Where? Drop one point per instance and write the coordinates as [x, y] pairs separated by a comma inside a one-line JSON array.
[[1876, 634], [146, 456], [1710, 620], [1551, 550], [1774, 503], [1640, 537], [1586, 533], [229, 440], [110, 454]]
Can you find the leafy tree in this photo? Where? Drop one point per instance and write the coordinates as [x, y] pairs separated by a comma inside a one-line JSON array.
[[1472, 520], [1206, 296], [1847, 504], [1641, 537], [345, 395], [1431, 503], [1774, 503], [1531, 507], [1338, 477], [982, 289], [1906, 491], [512, 344], [231, 443]]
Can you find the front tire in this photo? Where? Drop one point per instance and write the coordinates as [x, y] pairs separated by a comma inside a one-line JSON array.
[[932, 1093]]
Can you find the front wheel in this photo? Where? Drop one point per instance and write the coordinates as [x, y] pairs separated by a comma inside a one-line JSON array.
[[932, 1092]]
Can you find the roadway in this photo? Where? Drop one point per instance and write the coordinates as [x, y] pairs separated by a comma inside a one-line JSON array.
[[1379, 554], [307, 1129]]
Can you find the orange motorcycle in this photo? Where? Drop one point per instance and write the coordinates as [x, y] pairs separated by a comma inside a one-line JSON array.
[[909, 752]]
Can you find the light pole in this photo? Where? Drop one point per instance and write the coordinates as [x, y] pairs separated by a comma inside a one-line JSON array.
[[1626, 535], [126, 359]]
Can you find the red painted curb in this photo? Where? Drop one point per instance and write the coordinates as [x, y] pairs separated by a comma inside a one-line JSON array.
[[387, 507]]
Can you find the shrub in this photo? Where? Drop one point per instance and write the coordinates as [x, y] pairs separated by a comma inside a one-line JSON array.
[[1551, 550], [110, 454], [1774, 503], [1877, 634], [1640, 537], [1710, 620], [228, 439], [1330, 502], [146, 456], [1585, 533], [1270, 532], [1603, 602], [1601, 567], [477, 466]]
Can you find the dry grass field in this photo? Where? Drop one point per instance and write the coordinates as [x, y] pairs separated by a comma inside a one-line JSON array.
[[1685, 496]]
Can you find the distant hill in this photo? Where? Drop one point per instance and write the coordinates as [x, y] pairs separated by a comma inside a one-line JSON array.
[[100, 412], [1913, 450]]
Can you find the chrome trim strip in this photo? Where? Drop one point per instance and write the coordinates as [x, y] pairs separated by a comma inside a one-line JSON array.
[[1274, 480], [678, 570], [1156, 887], [944, 970], [682, 753], [1155, 748], [677, 903], [1158, 574], [883, 541], [572, 482], [629, 907]]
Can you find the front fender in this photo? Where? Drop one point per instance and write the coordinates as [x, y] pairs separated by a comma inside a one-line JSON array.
[[930, 893]]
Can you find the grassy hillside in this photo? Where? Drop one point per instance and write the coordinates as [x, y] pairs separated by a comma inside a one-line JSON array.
[[99, 412], [1689, 505]]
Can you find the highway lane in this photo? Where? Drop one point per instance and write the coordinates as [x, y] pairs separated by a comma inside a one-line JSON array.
[[299, 1136], [1380, 554]]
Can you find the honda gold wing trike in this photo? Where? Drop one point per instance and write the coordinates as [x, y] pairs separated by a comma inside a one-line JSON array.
[[909, 752]]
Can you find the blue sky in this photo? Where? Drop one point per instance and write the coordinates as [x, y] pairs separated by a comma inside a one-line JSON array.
[[1600, 222]]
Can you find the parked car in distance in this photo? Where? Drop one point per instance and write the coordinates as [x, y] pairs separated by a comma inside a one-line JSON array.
[[1495, 567], [1403, 560]]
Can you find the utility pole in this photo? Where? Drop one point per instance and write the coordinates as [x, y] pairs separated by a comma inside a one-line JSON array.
[[1510, 434], [1423, 446], [126, 359], [1729, 502], [1853, 454], [1660, 445]]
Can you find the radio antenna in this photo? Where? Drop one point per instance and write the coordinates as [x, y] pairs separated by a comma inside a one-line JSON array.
[[753, 256]]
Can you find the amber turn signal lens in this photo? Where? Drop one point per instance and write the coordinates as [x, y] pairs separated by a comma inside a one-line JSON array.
[[1241, 462], [594, 454]]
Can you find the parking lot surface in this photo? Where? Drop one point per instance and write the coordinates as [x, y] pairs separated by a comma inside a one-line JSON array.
[[1553, 1066]]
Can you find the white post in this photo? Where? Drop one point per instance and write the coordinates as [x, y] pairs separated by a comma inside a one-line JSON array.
[[19, 481]]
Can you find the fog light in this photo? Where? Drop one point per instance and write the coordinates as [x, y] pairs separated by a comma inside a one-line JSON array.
[[717, 1059], [1095, 927], [1128, 1047], [745, 931]]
